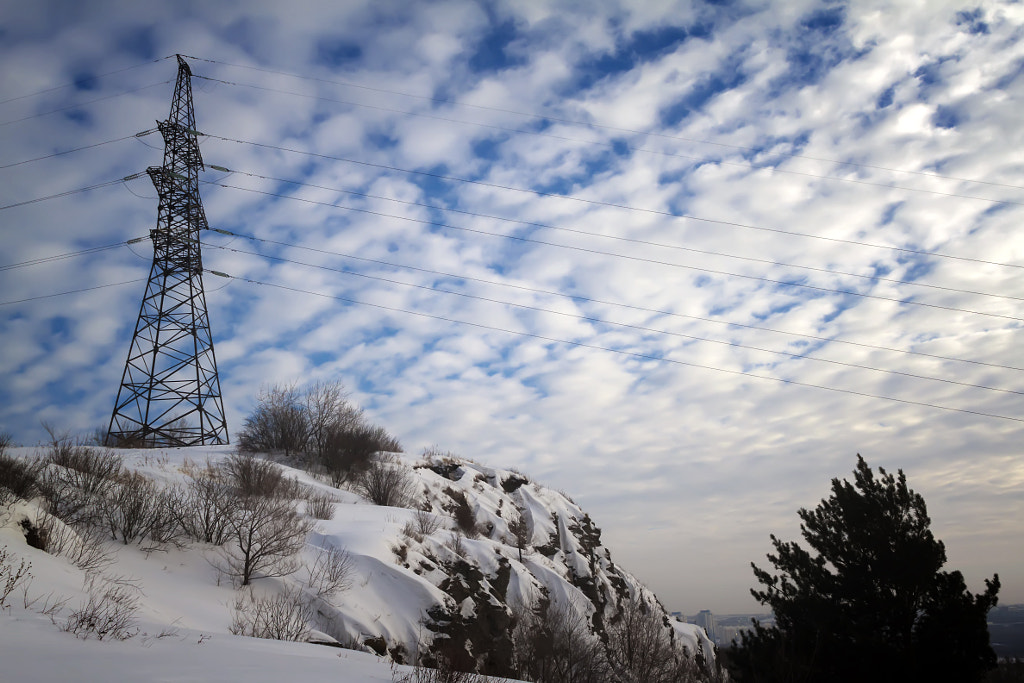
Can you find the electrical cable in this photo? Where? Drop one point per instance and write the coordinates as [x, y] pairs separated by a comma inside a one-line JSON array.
[[600, 321], [543, 118], [71, 192], [87, 79], [70, 254], [624, 256], [578, 297], [73, 291], [596, 202], [78, 149], [613, 146], [82, 104], [622, 352], [648, 243]]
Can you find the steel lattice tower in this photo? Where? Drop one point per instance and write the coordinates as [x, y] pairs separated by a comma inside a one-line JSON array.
[[170, 393]]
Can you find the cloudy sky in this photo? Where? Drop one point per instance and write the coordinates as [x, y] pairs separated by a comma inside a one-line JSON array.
[[683, 261]]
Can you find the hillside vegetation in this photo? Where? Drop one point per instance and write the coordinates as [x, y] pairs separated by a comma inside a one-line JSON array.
[[465, 568]]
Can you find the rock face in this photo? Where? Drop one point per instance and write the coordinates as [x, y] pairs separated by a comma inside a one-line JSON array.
[[491, 546]]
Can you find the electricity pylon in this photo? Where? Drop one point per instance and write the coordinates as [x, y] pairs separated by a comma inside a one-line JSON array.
[[170, 393]]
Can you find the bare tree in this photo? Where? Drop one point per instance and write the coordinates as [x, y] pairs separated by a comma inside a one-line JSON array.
[[329, 411], [264, 537], [554, 644], [520, 530], [278, 423], [641, 647]]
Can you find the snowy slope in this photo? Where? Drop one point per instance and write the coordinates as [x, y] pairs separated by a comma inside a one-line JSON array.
[[408, 587]]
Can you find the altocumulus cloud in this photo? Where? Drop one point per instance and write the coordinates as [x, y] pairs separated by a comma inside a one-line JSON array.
[[681, 261]]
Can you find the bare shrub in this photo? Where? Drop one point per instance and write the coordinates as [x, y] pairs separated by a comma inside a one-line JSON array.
[[444, 673], [331, 573], [320, 506], [84, 546], [5, 442], [553, 644], [455, 543], [387, 482], [254, 476], [109, 612], [284, 616], [134, 508], [18, 478], [422, 524], [264, 536], [203, 506], [64, 499], [349, 449], [12, 576], [277, 423], [88, 469]]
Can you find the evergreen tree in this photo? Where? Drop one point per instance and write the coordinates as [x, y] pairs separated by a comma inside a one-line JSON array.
[[869, 601]]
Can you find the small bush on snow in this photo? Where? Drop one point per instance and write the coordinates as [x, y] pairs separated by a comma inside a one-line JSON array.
[[256, 477], [204, 505], [12, 576], [109, 612], [331, 573], [320, 505], [284, 616], [387, 482], [18, 478]]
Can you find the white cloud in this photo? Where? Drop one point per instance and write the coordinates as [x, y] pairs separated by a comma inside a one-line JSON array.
[[680, 464]]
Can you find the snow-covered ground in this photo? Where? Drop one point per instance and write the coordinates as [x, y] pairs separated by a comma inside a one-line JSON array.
[[185, 604]]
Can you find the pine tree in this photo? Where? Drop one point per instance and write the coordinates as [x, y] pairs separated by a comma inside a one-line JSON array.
[[869, 600]]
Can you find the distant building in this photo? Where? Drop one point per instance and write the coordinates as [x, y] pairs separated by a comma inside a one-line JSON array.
[[706, 620]]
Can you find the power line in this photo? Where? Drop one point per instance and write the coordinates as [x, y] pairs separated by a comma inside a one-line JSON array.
[[82, 104], [622, 352], [623, 256], [596, 202], [108, 183], [70, 254], [73, 291], [80, 81], [639, 328], [79, 149], [588, 124], [579, 297], [662, 245], [613, 146]]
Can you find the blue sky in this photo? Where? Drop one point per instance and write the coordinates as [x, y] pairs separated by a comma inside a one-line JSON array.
[[624, 207]]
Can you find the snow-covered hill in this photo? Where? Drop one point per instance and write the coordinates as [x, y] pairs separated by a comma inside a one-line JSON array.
[[479, 550]]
